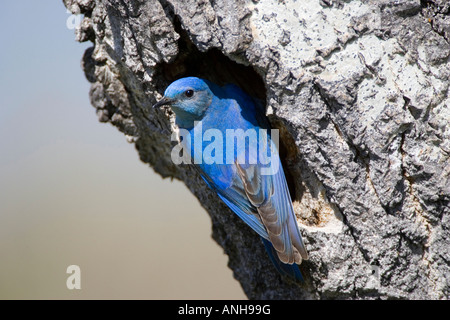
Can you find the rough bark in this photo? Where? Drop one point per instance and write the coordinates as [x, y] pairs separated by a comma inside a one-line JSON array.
[[360, 92]]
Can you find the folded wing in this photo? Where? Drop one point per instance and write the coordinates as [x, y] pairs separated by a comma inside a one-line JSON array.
[[264, 203]]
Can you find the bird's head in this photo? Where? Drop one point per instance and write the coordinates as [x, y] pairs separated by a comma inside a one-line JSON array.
[[188, 97]]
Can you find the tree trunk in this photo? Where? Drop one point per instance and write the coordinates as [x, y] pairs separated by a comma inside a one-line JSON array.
[[360, 92]]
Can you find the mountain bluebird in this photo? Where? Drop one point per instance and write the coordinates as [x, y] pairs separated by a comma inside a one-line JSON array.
[[249, 180]]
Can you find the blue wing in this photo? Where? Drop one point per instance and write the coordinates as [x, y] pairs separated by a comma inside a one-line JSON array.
[[250, 216], [269, 194], [264, 203], [236, 199]]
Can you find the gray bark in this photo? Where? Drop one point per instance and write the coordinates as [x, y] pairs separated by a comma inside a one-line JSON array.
[[360, 92]]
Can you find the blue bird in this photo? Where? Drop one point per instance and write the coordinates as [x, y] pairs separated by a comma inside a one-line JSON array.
[[250, 182]]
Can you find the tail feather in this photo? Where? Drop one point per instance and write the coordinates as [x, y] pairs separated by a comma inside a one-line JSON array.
[[290, 270]]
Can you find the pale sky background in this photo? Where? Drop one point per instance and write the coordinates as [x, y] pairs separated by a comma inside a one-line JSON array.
[[73, 191]]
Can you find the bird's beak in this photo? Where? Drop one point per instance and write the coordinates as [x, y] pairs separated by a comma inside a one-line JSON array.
[[162, 102]]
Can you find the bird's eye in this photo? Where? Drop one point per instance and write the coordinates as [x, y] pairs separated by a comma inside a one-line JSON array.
[[189, 93]]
